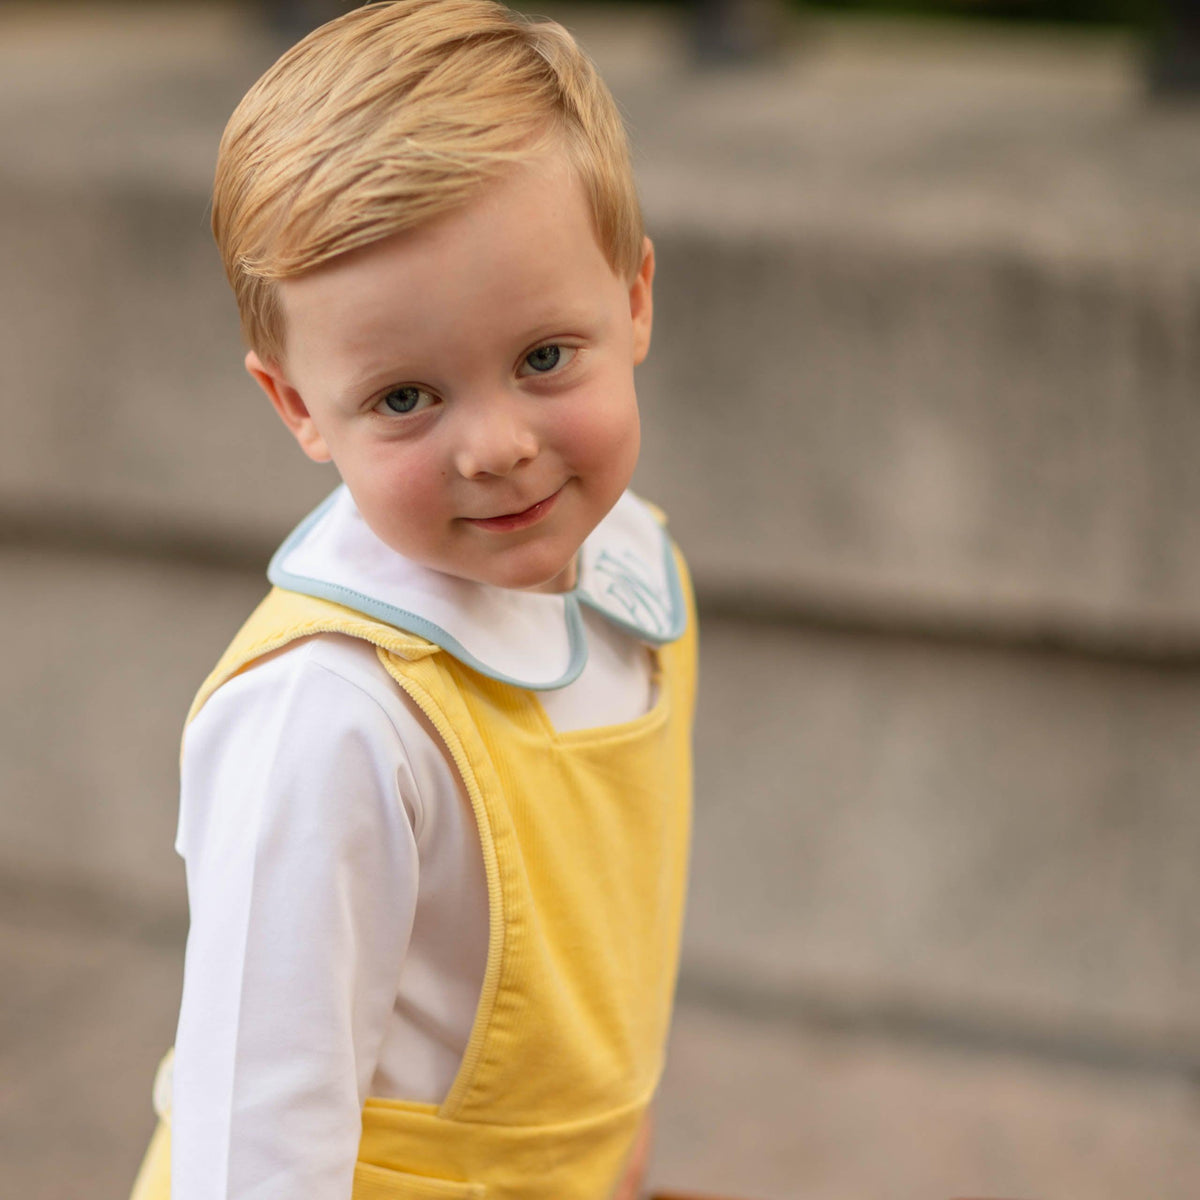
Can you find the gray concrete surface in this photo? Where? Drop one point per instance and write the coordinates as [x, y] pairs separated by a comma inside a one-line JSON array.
[[759, 1111], [909, 826], [86, 1009], [942, 930], [940, 829], [767, 1110], [98, 678]]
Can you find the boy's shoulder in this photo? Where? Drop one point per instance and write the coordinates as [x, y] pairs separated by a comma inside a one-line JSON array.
[[334, 660], [327, 633]]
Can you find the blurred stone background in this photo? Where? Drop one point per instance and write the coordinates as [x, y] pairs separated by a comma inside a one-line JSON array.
[[923, 405]]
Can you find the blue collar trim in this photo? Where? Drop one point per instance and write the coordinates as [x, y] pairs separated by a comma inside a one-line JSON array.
[[616, 581]]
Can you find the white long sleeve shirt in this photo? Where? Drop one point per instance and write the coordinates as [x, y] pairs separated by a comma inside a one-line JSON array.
[[338, 902]]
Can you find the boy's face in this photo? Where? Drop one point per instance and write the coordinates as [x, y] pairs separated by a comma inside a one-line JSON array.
[[472, 380]]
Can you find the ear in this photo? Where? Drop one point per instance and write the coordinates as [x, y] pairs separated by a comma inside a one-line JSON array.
[[290, 406], [641, 302]]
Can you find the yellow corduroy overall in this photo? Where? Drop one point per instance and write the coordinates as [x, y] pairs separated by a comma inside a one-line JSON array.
[[584, 838]]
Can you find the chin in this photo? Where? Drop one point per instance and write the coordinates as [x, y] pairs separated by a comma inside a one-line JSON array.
[[534, 575]]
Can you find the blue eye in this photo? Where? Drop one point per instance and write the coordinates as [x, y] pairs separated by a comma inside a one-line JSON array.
[[403, 400], [544, 358]]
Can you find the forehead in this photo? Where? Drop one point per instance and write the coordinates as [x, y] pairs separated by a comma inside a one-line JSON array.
[[522, 253]]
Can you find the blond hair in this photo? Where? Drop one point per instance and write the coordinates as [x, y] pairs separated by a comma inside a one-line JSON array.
[[397, 113]]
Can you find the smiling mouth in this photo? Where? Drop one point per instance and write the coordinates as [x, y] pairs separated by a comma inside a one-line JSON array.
[[517, 520]]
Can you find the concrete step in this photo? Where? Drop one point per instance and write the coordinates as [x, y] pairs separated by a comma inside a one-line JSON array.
[[797, 1113], [906, 832], [103, 657], [922, 832], [926, 303], [772, 1111]]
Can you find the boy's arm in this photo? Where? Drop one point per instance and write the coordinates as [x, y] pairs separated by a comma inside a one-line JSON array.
[[302, 877], [639, 1159]]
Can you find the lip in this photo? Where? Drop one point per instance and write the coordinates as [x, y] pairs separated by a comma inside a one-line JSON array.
[[518, 520]]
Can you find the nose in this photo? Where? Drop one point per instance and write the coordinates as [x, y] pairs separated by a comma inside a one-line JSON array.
[[494, 440]]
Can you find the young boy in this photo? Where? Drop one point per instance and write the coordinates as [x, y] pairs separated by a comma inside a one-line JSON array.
[[435, 795]]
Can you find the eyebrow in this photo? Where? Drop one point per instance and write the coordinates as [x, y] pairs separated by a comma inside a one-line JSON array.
[[362, 380]]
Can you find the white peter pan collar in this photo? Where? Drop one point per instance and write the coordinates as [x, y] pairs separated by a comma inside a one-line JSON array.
[[534, 640]]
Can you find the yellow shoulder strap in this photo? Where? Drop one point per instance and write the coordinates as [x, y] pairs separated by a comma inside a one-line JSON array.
[[284, 617]]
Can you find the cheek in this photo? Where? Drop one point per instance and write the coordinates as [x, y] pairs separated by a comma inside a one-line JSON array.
[[603, 432], [396, 469], [401, 493]]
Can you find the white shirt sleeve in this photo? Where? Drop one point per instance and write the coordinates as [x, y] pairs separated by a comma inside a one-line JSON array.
[[296, 825]]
